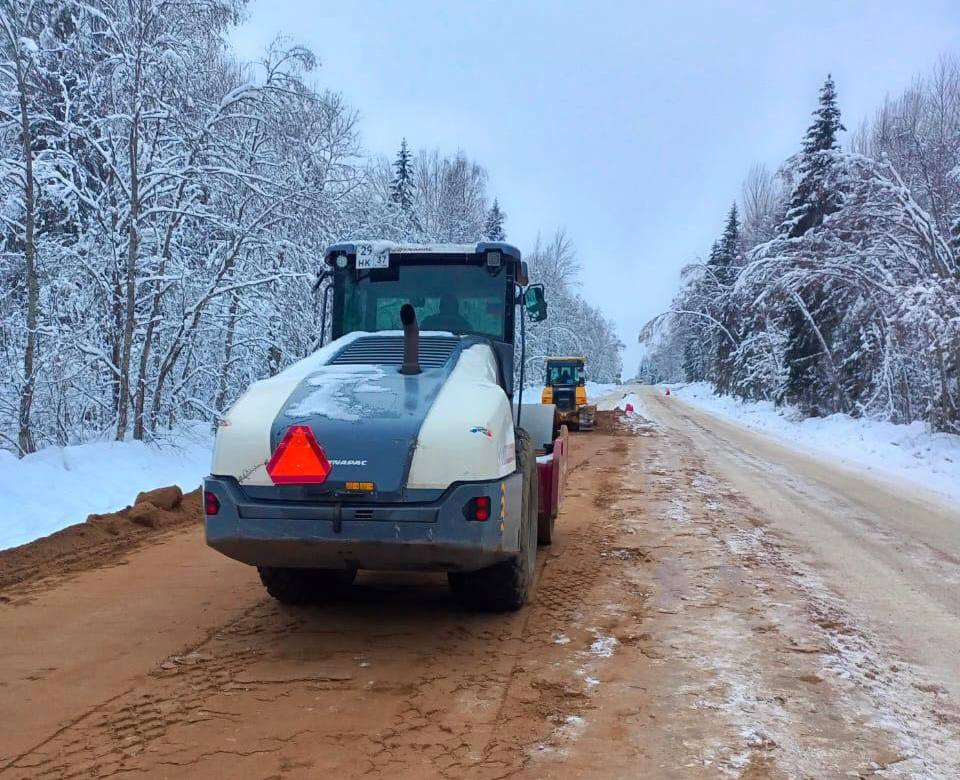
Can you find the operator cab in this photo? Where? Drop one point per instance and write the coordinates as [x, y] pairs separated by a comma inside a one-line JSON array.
[[565, 371], [464, 289], [469, 290]]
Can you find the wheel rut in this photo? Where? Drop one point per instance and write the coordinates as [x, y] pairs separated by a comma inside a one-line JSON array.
[[677, 629], [393, 679]]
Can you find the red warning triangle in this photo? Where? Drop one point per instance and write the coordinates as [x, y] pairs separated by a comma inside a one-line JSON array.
[[299, 459]]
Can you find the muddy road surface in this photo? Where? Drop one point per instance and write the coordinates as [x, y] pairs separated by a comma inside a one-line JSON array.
[[715, 606]]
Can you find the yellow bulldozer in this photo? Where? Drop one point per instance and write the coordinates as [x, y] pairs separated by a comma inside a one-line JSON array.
[[565, 388]]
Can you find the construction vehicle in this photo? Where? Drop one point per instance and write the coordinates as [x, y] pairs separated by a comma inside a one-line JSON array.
[[565, 388], [393, 447]]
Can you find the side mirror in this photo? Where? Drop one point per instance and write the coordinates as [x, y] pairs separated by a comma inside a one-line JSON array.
[[523, 274], [535, 303]]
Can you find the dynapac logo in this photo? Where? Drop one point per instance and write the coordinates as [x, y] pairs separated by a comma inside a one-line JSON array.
[[348, 463]]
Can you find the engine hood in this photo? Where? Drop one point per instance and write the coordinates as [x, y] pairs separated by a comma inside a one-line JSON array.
[[366, 418], [376, 425]]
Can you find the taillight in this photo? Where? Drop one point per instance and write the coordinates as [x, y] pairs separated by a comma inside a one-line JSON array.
[[299, 459], [478, 508], [211, 504]]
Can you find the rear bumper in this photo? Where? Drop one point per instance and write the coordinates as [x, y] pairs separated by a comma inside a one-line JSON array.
[[426, 536]]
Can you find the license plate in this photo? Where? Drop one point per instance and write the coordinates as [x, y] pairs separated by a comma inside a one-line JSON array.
[[368, 257]]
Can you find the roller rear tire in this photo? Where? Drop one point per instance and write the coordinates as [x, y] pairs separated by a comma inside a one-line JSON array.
[[305, 586]]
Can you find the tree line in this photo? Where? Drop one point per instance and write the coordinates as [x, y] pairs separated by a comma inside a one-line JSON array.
[[835, 284], [573, 326], [164, 208]]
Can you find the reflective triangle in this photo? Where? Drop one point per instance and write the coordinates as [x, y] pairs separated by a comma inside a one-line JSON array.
[[299, 459]]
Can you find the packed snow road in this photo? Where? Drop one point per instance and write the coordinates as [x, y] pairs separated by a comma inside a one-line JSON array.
[[715, 605]]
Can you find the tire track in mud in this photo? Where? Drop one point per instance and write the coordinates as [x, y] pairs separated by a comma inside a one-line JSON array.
[[391, 681], [673, 633], [105, 739]]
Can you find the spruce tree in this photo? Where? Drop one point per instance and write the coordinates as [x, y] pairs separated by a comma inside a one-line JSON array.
[[812, 200], [495, 218], [713, 259], [724, 255], [402, 185], [724, 262], [822, 134], [693, 368], [809, 377]]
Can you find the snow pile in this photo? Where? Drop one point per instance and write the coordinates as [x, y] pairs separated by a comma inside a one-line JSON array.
[[906, 451], [59, 486], [597, 390], [637, 409]]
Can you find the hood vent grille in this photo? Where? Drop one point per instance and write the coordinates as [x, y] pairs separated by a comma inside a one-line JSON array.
[[435, 351]]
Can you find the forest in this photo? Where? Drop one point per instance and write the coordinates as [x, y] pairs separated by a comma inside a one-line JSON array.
[[834, 286], [164, 208]]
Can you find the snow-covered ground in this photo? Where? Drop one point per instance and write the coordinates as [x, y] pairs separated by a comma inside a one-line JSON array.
[[597, 390], [904, 451], [59, 486]]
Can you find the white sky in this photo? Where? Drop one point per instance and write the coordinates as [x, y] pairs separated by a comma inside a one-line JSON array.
[[632, 124]]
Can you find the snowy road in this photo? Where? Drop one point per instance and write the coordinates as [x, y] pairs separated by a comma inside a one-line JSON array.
[[716, 605], [875, 565], [889, 549]]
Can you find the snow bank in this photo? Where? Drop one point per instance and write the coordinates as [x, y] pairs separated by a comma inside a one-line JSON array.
[[904, 451], [617, 397], [597, 390], [59, 486], [594, 389]]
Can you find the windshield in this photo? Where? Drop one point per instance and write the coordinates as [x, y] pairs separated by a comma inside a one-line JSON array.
[[460, 298], [565, 374]]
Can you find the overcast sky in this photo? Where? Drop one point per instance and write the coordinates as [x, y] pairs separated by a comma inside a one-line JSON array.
[[631, 124]]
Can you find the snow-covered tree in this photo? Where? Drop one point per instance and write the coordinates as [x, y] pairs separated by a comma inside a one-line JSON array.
[[811, 199], [401, 188], [402, 192], [811, 371], [163, 209], [858, 311], [495, 220], [573, 326], [21, 27]]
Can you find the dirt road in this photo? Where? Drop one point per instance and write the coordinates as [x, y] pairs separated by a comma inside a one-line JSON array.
[[715, 605]]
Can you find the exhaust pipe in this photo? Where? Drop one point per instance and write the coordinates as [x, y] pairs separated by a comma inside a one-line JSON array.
[[411, 340]]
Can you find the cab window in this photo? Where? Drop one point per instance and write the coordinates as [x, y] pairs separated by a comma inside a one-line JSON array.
[[467, 298]]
